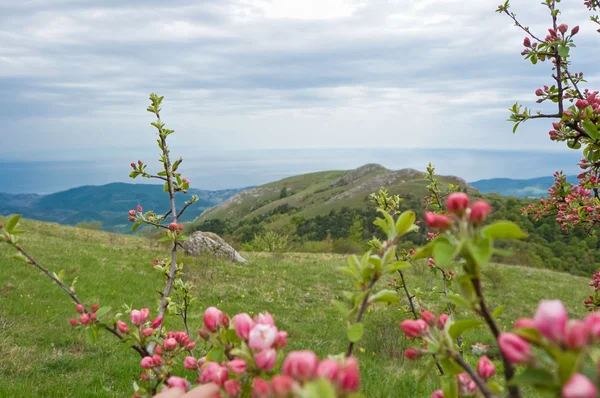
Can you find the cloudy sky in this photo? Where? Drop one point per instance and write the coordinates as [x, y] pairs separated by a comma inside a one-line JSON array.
[[75, 74]]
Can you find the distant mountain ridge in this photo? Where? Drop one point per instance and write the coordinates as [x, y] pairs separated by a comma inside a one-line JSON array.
[[526, 188], [108, 204]]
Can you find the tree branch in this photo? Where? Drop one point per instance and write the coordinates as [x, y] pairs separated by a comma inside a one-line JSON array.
[[361, 311], [485, 390], [517, 23], [187, 204]]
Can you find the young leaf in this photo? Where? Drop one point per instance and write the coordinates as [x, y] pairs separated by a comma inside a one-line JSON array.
[[397, 266], [591, 129], [450, 386], [503, 230], [405, 222], [498, 311], [450, 366], [319, 389], [459, 301], [459, 327], [384, 296], [355, 332], [12, 223], [102, 311], [215, 354], [444, 252]]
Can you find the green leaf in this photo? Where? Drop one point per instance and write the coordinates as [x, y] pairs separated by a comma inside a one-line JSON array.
[[482, 251], [355, 332], [91, 335], [102, 311], [450, 366], [533, 59], [425, 251], [12, 223], [591, 129], [503, 230], [567, 365], [450, 386], [165, 239], [397, 266], [215, 354], [385, 296], [539, 378], [134, 227], [19, 256], [563, 51], [530, 334], [498, 311], [444, 252], [459, 301], [320, 388], [341, 307], [459, 327], [405, 222]]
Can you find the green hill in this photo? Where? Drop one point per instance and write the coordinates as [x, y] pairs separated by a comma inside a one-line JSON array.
[[43, 357], [108, 204]]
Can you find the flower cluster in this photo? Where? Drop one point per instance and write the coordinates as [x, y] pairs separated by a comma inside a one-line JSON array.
[[246, 355], [593, 302], [460, 208], [86, 317], [565, 343]]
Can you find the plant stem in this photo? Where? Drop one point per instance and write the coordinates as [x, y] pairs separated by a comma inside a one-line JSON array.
[[73, 296], [485, 390], [361, 311], [509, 370]]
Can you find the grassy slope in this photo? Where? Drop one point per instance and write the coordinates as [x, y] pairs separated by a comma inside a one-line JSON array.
[[42, 356], [316, 193]]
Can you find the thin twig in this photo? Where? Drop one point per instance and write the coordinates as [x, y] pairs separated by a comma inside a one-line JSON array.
[[361, 311], [485, 390], [187, 204], [517, 23]]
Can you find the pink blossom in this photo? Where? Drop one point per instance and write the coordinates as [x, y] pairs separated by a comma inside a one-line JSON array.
[[428, 317], [123, 328], [281, 340], [514, 348], [170, 344], [412, 353], [457, 202], [264, 319], [95, 307], [562, 28], [550, 319], [156, 322], [260, 388], [524, 323], [243, 324], [414, 328], [349, 376], [139, 317], [328, 369], [575, 30], [479, 211], [579, 386], [237, 366], [265, 359], [282, 385], [212, 318], [190, 363], [233, 388], [441, 322], [576, 334], [73, 322], [300, 365], [262, 336], [147, 332], [485, 367], [175, 381], [84, 319], [147, 363], [437, 221], [139, 208], [437, 394], [466, 386], [80, 308]]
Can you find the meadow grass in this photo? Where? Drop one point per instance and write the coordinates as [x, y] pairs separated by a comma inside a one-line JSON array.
[[41, 356]]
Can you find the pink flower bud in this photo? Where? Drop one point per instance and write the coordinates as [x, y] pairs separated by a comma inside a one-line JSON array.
[[190, 363], [328, 369], [132, 213], [349, 376], [282, 385], [80, 308], [204, 334], [73, 322], [514, 348], [437, 221], [281, 340], [123, 328], [550, 319], [260, 388], [414, 328], [95, 307], [139, 317], [157, 359], [265, 359], [466, 386], [428, 317], [457, 202], [592, 324], [576, 334], [175, 381], [220, 375], [262, 336], [575, 30], [485, 367], [93, 317], [562, 28], [139, 208], [173, 226], [225, 320], [441, 322], [527, 42], [437, 394], [132, 164], [264, 319], [236, 366], [233, 388], [479, 211], [147, 332], [412, 353], [301, 365], [170, 344], [581, 104], [579, 386], [190, 346], [156, 322], [147, 363], [524, 323], [212, 318], [84, 319], [539, 92], [243, 324], [158, 350]]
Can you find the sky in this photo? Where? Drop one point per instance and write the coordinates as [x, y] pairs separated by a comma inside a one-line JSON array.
[[75, 75]]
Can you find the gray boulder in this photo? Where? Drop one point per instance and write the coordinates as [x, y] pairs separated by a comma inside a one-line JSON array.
[[207, 242]]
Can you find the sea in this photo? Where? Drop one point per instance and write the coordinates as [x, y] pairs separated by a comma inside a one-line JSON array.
[[223, 169]]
